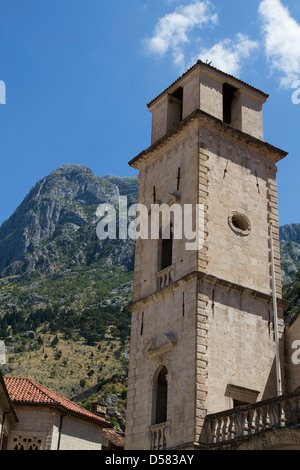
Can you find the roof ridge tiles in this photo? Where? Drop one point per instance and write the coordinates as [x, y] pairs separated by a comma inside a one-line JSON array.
[[28, 391]]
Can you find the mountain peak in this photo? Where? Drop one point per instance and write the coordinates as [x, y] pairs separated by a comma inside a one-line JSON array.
[[59, 210], [71, 181], [72, 169]]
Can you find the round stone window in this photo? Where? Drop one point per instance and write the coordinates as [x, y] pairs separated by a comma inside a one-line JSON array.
[[239, 223]]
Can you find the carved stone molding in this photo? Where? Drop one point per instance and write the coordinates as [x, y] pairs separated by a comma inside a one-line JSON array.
[[156, 348], [280, 439]]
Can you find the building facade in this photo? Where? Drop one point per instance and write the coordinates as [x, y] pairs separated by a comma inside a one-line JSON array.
[[8, 417], [36, 418], [202, 336]]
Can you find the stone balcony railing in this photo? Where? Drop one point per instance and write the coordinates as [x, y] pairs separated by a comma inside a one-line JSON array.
[[240, 423], [164, 278], [158, 436]]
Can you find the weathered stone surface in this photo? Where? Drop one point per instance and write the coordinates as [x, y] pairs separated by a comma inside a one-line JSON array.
[[217, 301]]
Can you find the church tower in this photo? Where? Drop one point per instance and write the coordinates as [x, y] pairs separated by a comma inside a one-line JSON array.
[[202, 334]]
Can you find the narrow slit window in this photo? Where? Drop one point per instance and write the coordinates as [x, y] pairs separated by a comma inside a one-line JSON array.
[[228, 98], [175, 109], [166, 248], [178, 178], [178, 95]]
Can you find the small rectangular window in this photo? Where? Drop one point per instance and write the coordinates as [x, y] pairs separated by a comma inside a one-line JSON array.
[[175, 109], [166, 253], [178, 95], [165, 249], [237, 403], [241, 396], [228, 98]]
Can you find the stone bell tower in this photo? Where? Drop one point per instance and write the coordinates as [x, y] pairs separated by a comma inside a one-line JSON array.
[[202, 336]]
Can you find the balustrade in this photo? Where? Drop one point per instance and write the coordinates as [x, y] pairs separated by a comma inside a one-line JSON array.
[[158, 436], [245, 421], [163, 278]]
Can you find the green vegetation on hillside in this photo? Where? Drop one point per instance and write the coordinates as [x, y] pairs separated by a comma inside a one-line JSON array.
[[292, 294], [91, 324], [69, 331]]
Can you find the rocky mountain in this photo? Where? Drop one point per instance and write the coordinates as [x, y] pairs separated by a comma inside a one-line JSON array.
[[290, 262], [55, 225], [290, 252], [63, 292]]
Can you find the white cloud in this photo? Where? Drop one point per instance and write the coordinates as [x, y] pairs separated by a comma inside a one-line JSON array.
[[172, 31], [228, 54], [281, 40]]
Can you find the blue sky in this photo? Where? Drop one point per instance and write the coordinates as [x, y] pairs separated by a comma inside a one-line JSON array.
[[78, 75]]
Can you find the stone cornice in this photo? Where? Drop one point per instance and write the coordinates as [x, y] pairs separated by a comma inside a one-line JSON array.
[[210, 279], [206, 119]]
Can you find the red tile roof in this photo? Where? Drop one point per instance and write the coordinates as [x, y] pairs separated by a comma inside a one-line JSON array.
[[115, 439], [29, 392], [8, 402]]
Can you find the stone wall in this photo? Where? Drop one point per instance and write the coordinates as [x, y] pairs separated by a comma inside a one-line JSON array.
[[50, 429], [163, 334], [78, 434], [238, 180], [240, 344], [161, 172]]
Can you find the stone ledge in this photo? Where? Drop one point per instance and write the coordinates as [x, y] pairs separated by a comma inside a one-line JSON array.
[[202, 116], [210, 279]]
